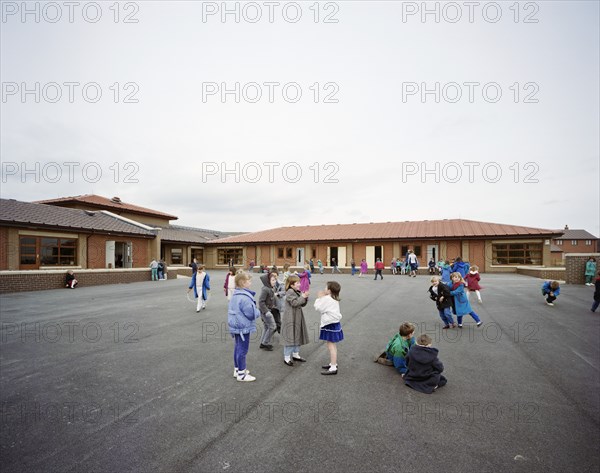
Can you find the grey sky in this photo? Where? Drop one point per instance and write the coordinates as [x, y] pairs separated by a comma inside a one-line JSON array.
[[379, 140]]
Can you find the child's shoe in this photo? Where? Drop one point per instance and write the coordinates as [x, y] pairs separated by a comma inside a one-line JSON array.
[[549, 303], [479, 323], [236, 372], [245, 377], [454, 325], [459, 325], [445, 327]]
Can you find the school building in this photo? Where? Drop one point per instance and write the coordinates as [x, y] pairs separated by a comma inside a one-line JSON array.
[[106, 240], [491, 246]]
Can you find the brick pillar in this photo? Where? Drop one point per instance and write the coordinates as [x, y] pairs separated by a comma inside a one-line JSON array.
[[575, 266]]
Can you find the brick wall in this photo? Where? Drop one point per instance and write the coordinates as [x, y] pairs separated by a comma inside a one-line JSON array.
[[575, 266], [21, 281], [558, 274]]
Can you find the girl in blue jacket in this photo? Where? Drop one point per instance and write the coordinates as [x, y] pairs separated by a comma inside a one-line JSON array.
[[241, 317], [461, 301]]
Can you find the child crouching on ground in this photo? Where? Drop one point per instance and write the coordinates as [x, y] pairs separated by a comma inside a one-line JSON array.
[[424, 368], [551, 290], [398, 347], [440, 293], [70, 280]]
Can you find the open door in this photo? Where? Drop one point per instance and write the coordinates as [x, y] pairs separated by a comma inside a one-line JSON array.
[[110, 254], [342, 256], [370, 256]]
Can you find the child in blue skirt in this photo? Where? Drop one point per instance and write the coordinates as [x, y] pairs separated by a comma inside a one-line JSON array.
[[328, 304]]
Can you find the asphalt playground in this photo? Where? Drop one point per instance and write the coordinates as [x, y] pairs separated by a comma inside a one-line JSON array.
[[129, 378]]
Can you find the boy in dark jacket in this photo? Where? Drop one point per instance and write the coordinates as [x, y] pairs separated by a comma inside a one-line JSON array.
[[424, 368], [440, 293], [596, 293]]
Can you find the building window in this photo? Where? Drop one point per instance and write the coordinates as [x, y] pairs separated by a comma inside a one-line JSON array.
[[225, 255], [198, 253], [28, 250], [517, 253], [176, 256], [417, 250], [288, 252], [588, 242], [573, 242], [404, 250], [280, 253], [559, 242], [58, 251], [314, 252]]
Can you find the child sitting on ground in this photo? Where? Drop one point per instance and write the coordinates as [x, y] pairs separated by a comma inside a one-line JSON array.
[[398, 347], [551, 289], [70, 280], [424, 372]]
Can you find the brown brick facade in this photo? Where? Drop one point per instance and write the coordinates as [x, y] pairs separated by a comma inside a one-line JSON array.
[[3, 248]]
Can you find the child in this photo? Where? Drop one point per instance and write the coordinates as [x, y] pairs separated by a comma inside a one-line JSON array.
[[201, 284], [461, 301], [70, 280], [551, 289], [596, 294], [328, 304], [241, 317], [398, 265], [266, 305], [446, 270], [393, 266], [460, 267], [424, 372], [305, 279], [364, 267], [431, 265], [229, 285], [379, 267], [472, 279], [294, 332], [320, 265], [352, 267], [286, 272], [440, 293], [154, 269], [590, 270], [279, 291], [397, 348]]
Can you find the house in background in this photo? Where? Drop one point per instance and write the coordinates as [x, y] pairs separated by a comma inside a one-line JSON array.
[[573, 241]]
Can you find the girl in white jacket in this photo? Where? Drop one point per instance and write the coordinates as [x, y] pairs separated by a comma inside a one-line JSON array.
[[327, 303]]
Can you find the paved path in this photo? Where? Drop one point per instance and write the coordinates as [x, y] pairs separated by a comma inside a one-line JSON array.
[[131, 378]]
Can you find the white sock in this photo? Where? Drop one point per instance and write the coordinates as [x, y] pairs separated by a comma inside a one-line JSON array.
[[332, 367], [296, 355], [287, 358]]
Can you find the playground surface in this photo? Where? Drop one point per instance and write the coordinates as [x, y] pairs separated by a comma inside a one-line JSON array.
[[130, 378]]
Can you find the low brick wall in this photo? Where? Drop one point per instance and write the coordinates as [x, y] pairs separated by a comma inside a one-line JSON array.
[[181, 271], [575, 266], [554, 274], [21, 281]]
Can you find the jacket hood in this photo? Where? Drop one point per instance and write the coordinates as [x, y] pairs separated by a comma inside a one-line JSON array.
[[460, 264], [265, 280], [424, 355]]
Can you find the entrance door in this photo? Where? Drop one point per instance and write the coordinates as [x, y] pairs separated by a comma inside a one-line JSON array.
[[342, 256], [300, 257], [370, 256], [432, 252], [110, 254], [332, 252]]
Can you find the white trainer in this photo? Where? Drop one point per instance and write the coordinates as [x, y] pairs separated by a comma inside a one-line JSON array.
[[246, 377]]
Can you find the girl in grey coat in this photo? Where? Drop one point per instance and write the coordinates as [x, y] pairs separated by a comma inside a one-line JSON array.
[[293, 326]]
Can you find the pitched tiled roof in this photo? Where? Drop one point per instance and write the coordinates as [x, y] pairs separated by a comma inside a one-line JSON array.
[[179, 233], [114, 204], [14, 212], [426, 229], [575, 235]]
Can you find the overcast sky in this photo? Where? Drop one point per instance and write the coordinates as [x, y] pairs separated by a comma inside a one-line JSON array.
[[511, 135]]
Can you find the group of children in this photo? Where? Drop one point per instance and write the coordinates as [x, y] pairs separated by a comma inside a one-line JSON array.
[[280, 308]]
